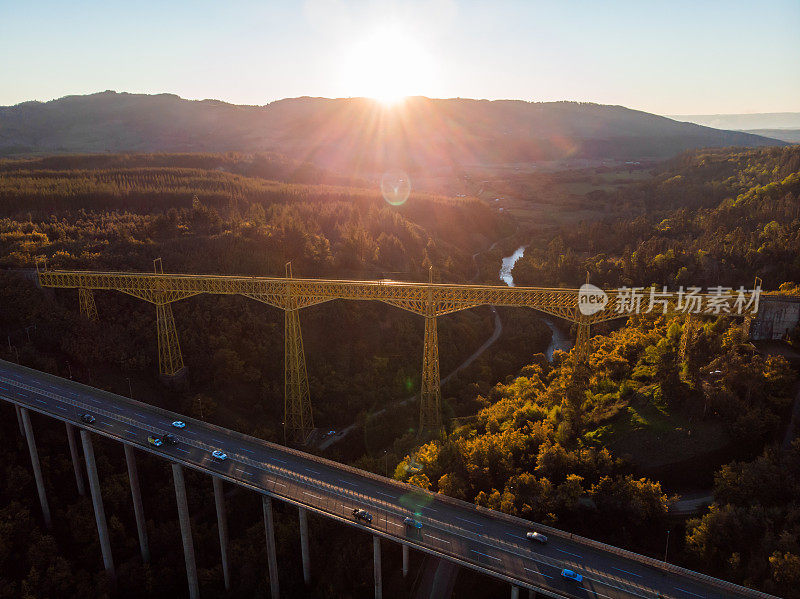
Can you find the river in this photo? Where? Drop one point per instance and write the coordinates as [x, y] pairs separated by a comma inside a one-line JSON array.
[[558, 339]]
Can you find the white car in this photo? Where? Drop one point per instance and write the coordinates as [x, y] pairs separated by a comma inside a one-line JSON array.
[[220, 455], [537, 536], [179, 424]]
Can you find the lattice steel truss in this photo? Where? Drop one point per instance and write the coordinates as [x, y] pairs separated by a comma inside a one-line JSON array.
[[289, 294]]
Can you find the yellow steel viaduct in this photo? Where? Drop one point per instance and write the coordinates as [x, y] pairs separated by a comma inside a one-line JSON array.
[[428, 300]]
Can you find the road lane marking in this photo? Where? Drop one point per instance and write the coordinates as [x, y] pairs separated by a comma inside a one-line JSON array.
[[384, 494], [567, 552], [312, 495], [470, 521], [608, 584], [511, 534], [438, 539], [183, 450], [539, 573], [247, 450], [626, 572], [596, 593], [347, 482], [313, 471], [486, 555], [690, 592], [61, 408]]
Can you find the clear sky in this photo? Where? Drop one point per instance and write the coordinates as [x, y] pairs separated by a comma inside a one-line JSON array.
[[669, 57]]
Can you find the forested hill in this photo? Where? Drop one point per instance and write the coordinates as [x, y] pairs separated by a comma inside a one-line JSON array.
[[355, 134], [708, 218]]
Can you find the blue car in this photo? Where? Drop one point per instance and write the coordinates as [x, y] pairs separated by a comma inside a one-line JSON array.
[[571, 575], [412, 523], [179, 424], [220, 455]]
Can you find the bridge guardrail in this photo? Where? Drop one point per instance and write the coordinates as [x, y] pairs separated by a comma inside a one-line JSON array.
[[407, 488]]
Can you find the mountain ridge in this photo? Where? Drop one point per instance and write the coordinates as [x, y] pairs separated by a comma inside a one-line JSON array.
[[356, 134]]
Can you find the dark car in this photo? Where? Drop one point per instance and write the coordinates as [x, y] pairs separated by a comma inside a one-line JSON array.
[[87, 418], [170, 439], [362, 515]]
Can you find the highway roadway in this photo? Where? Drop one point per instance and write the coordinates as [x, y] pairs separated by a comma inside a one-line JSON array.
[[473, 537]]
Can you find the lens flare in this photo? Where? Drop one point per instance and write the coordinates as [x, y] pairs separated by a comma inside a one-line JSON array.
[[395, 187]]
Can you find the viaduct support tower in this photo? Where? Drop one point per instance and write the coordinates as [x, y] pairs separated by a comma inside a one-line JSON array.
[[299, 421], [430, 398], [170, 360]]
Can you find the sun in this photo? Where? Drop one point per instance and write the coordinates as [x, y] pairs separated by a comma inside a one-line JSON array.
[[387, 64]]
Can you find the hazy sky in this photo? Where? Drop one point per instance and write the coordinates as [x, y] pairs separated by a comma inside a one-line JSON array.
[[665, 57]]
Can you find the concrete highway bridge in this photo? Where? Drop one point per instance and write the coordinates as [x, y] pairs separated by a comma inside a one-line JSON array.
[[481, 539]]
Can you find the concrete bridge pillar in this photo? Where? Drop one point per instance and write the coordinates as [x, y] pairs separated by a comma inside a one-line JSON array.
[[186, 530], [304, 545], [97, 502], [272, 559], [405, 560], [138, 510], [37, 468], [376, 557], [18, 410], [222, 526], [76, 463], [514, 592]]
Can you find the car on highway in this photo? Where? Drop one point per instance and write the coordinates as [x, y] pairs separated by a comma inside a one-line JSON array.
[[362, 515], [537, 536], [572, 575], [170, 439], [410, 522], [179, 424], [87, 418], [155, 441], [220, 455]]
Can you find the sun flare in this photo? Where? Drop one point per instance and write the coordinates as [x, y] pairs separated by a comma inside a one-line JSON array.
[[388, 65]]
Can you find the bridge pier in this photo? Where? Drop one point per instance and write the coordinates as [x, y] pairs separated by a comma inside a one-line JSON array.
[[272, 559], [170, 360], [76, 463], [138, 510], [430, 397], [222, 526], [304, 545], [299, 420], [514, 592], [186, 530], [376, 558], [37, 468], [97, 502], [582, 340], [86, 303], [18, 410], [405, 560]]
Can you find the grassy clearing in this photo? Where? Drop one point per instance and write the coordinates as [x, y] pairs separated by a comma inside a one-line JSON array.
[[651, 436]]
